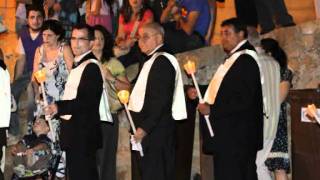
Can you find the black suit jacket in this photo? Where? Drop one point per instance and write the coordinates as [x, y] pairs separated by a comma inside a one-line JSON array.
[[82, 131], [237, 114], [156, 115]]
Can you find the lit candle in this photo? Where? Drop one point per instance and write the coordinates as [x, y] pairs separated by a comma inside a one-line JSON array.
[[40, 75], [41, 78], [123, 96], [190, 68], [312, 112]]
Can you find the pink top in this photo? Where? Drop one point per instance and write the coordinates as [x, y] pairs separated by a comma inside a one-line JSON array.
[[128, 27]]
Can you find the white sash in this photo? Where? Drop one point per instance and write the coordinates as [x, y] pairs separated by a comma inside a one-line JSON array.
[[71, 90], [136, 100], [5, 98], [212, 91]]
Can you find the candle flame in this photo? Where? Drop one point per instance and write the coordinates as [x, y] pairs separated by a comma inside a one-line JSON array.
[[190, 67], [123, 96], [40, 75], [311, 110]]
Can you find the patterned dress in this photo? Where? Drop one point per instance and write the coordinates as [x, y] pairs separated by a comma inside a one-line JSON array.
[[56, 78], [278, 158]]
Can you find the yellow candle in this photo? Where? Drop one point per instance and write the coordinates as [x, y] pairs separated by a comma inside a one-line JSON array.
[[123, 96], [311, 110], [40, 75], [190, 67]]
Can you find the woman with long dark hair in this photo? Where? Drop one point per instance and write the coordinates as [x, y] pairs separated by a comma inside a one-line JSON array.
[[115, 78], [278, 160]]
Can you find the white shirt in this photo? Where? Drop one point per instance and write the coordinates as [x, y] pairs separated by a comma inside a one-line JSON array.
[[5, 98]]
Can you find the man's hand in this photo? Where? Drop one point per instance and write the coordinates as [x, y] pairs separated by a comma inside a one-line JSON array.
[[204, 108], [139, 135]]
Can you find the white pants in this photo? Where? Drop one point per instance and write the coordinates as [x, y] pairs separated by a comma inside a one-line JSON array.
[[262, 155]]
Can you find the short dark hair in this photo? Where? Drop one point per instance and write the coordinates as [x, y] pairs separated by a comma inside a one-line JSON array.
[[89, 29], [35, 8], [55, 26], [237, 25]]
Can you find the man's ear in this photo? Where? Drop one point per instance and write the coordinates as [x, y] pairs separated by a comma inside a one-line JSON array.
[[159, 39], [241, 34]]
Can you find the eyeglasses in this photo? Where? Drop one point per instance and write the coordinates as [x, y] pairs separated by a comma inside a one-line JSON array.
[[79, 39], [145, 37]]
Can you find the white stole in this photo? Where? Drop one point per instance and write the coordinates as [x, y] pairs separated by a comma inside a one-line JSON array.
[[5, 98], [271, 94], [136, 100], [212, 91], [71, 90]]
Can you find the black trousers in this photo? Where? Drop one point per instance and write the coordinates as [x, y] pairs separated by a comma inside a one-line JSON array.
[[158, 162], [1, 173], [271, 10], [235, 165], [246, 12], [184, 145], [155, 165], [81, 165], [107, 155]]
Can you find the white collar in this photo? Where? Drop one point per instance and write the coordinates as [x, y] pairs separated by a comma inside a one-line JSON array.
[[238, 46], [78, 58], [155, 49]]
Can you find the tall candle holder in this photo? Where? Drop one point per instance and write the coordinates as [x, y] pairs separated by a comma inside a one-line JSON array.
[[190, 68], [40, 76], [123, 96]]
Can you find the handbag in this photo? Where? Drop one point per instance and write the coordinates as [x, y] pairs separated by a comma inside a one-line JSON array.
[[114, 103]]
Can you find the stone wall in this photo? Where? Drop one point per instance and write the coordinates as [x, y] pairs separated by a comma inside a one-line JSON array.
[[301, 43]]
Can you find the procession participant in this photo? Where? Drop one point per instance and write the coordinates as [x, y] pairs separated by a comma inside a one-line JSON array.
[[157, 100]]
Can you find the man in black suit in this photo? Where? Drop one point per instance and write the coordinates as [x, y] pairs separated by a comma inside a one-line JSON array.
[[234, 104], [157, 99], [79, 109]]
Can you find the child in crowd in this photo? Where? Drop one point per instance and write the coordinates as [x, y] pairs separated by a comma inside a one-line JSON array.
[[32, 154]]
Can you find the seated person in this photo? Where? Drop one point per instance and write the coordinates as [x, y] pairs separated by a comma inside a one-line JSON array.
[[32, 154], [133, 15], [186, 24]]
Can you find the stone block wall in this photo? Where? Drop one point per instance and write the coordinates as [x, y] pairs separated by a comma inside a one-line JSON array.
[[301, 43]]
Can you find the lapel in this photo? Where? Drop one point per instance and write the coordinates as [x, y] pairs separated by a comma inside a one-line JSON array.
[[2, 64], [213, 88], [86, 57]]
